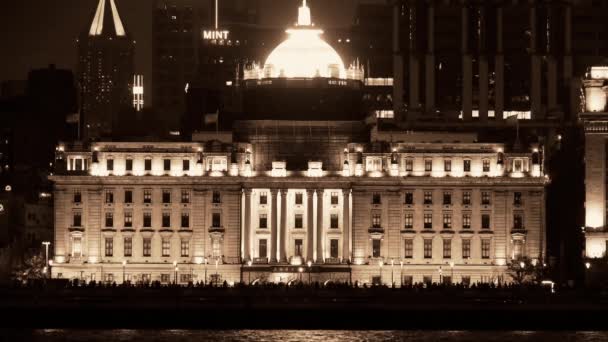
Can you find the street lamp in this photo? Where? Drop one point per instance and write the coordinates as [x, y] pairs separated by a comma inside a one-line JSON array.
[[380, 264], [522, 264], [46, 255], [309, 263], [205, 282], [217, 276], [49, 267], [176, 269], [440, 275], [124, 265], [249, 263], [300, 270], [401, 273], [588, 265], [392, 273]]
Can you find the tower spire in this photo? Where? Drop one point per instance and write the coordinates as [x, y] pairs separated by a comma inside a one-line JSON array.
[[304, 18], [106, 17]]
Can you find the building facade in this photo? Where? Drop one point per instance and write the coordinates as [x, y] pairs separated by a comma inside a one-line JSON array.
[[106, 70]]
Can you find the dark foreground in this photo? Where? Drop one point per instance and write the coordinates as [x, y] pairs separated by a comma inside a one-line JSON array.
[[302, 308]]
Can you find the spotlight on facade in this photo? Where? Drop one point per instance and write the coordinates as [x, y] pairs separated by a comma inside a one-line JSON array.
[[588, 265]]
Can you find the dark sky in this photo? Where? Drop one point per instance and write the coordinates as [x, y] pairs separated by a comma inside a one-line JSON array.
[[35, 33]]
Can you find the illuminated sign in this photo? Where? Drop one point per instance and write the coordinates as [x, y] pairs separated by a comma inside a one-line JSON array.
[[215, 34]]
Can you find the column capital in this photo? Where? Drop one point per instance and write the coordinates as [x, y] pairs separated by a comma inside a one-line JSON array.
[[274, 191], [247, 191], [310, 191]]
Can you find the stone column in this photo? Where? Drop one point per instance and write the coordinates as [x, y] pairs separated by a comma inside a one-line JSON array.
[[247, 227], [283, 232], [346, 224], [273, 224], [310, 225], [320, 256]]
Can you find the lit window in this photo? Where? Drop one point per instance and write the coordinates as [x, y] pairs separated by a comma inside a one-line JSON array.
[[428, 165], [447, 248], [374, 164], [147, 247], [185, 248], [185, 196], [485, 197], [147, 196], [447, 221], [376, 220], [109, 220], [409, 164], [466, 198], [128, 246], [298, 243], [376, 248], [485, 248], [466, 221], [486, 165], [447, 165], [428, 248], [128, 219], [408, 251], [428, 197], [409, 220], [466, 248], [166, 247], [109, 247], [428, 220]]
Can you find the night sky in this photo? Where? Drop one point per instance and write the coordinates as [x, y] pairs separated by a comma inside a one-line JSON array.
[[36, 33]]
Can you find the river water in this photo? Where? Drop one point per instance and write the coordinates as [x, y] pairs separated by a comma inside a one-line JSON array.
[[52, 335]]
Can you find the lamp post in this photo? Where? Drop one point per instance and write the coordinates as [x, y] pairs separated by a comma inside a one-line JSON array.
[[124, 265], [176, 269], [249, 272], [309, 263], [440, 275], [217, 276], [451, 271], [392, 273], [300, 270], [46, 256], [380, 264], [401, 274], [205, 282]]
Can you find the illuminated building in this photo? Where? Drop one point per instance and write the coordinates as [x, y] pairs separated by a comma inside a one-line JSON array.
[[106, 69], [595, 120], [138, 92], [279, 191]]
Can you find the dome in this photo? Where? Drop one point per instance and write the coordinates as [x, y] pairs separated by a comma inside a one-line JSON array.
[[304, 54]]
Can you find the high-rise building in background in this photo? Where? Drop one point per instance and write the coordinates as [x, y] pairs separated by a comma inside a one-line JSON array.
[[106, 69], [138, 92]]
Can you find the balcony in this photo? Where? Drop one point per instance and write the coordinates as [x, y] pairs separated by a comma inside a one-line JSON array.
[[259, 261], [519, 230], [76, 229], [218, 229], [376, 230]]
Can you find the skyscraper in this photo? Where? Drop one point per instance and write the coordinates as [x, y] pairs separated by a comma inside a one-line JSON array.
[[105, 70]]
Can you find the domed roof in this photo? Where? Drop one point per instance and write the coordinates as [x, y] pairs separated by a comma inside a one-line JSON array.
[[304, 54]]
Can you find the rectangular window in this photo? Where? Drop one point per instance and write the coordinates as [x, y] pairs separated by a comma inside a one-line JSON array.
[[517, 165], [466, 249], [185, 248], [447, 248], [216, 197], [334, 198], [466, 221], [486, 165], [517, 198], [109, 220], [185, 220], [466, 280], [167, 164], [298, 221], [428, 165], [407, 280], [409, 165], [216, 220], [467, 165], [409, 220], [147, 196], [518, 221], [128, 219], [298, 247], [408, 251], [409, 198], [376, 220], [333, 221], [466, 198], [109, 247], [185, 196], [517, 249], [376, 198], [485, 197], [447, 220], [263, 221], [77, 196], [263, 198], [165, 278], [77, 219], [333, 248], [447, 198], [147, 219], [373, 164], [263, 248], [447, 165], [299, 200], [376, 243], [147, 247], [128, 246], [110, 164], [185, 278], [166, 196], [428, 220], [166, 247], [428, 248], [129, 165], [166, 219], [485, 221], [128, 196], [77, 247], [485, 249], [148, 165], [109, 196], [428, 197], [186, 165]]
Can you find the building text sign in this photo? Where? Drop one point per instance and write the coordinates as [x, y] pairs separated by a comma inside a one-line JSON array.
[[215, 34]]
